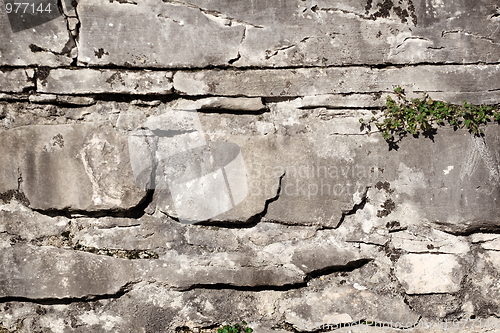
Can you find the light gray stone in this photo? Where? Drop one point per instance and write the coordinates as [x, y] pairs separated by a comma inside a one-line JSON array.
[[94, 81], [20, 222], [423, 240], [230, 104], [429, 273], [179, 30], [320, 81], [47, 44], [485, 272], [14, 97], [46, 272], [487, 241], [328, 308], [15, 81], [265, 255], [283, 34], [75, 100], [486, 324], [72, 167], [328, 168], [43, 98]]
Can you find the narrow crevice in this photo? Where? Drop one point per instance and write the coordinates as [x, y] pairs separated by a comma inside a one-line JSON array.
[[349, 267], [488, 227], [74, 3], [386, 65], [468, 33], [128, 98], [354, 210], [232, 61], [187, 329], [330, 107], [69, 300], [134, 213], [225, 286]]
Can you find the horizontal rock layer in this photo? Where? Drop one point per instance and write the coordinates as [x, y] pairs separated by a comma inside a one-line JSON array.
[[173, 166]]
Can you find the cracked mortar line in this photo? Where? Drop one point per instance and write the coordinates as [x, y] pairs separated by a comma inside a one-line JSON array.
[[213, 13], [468, 33]]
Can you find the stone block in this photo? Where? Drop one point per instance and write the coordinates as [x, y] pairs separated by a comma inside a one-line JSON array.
[[429, 273], [69, 167], [105, 81], [46, 44], [320, 81], [46, 272], [15, 81]]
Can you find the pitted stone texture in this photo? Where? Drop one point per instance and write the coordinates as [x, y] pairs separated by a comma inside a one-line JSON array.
[[46, 272], [429, 273], [150, 308], [70, 167], [47, 44], [328, 169], [184, 36], [319, 81], [105, 81], [424, 240], [286, 33], [20, 222], [16, 81], [265, 255], [346, 304], [486, 241], [484, 276], [327, 165]]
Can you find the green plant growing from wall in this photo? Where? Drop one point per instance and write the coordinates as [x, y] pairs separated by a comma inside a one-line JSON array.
[[236, 328], [414, 116]]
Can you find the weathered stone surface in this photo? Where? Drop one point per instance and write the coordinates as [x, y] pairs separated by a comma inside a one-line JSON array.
[[178, 31], [328, 170], [309, 33], [16, 81], [43, 98], [22, 223], [319, 81], [45, 272], [484, 275], [230, 104], [66, 100], [69, 167], [328, 166], [265, 255], [75, 100], [429, 273], [47, 44], [487, 241], [94, 81], [423, 240], [326, 308], [13, 97]]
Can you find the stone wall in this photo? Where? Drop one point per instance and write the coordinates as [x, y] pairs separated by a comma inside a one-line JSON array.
[[172, 166]]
